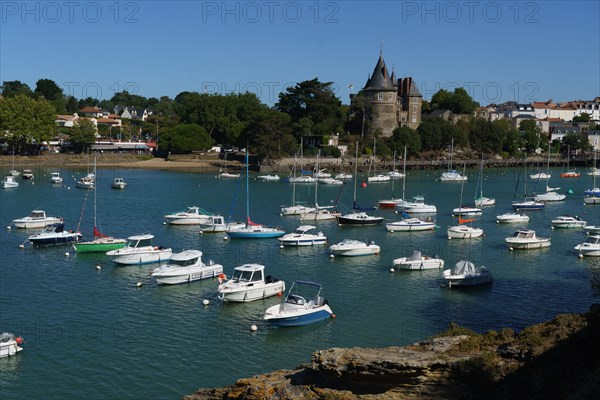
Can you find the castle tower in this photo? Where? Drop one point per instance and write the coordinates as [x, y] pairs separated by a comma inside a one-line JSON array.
[[411, 101], [383, 98]]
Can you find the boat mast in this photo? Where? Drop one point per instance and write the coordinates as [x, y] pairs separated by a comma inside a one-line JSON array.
[[462, 185], [451, 153], [317, 181], [404, 179], [393, 170], [294, 181], [355, 176], [95, 187], [548, 168], [247, 189]]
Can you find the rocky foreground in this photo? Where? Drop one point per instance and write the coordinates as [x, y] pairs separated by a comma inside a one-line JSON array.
[[558, 359]]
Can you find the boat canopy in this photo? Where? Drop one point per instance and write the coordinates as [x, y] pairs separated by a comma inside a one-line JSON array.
[[416, 256], [304, 228], [187, 255], [309, 283], [464, 268]]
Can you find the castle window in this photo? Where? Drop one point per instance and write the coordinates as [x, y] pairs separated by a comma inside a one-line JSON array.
[[414, 119], [379, 96], [414, 108]]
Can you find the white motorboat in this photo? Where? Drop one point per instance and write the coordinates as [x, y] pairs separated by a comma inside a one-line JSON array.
[[320, 214], [568, 222], [303, 236], [35, 220], [395, 174], [297, 209], [351, 248], [540, 175], [140, 250], [589, 200], [248, 283], [296, 310], [592, 229], [551, 194], [464, 232], [379, 178], [321, 174], [591, 247], [185, 267], [594, 172], [511, 218], [417, 206], [343, 176], [9, 182], [118, 183], [331, 181], [410, 225], [269, 178], [86, 182], [14, 172], [217, 223], [418, 261], [466, 211], [192, 216], [452, 176], [524, 239], [464, 273], [303, 179], [10, 344], [27, 174], [593, 194], [54, 234], [55, 178]]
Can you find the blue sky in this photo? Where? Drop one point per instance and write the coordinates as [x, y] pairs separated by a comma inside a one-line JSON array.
[[499, 50]]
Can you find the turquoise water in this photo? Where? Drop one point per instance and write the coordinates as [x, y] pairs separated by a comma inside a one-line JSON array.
[[94, 334]]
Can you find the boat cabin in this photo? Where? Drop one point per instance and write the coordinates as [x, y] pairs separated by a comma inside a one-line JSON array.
[[54, 228], [186, 258], [524, 234], [140, 240], [304, 229], [248, 273], [37, 214], [595, 239]]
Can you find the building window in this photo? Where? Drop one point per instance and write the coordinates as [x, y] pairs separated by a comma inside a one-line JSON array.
[[379, 96], [414, 119], [414, 108]]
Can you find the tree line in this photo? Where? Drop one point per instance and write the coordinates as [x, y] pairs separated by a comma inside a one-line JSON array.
[[195, 121]]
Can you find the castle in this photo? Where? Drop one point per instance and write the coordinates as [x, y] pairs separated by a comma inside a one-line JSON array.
[[394, 102]]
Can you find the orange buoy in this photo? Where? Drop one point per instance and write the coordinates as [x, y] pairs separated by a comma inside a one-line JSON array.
[[333, 316], [279, 294], [363, 184]]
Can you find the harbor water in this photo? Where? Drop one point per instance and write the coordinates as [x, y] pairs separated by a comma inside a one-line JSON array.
[[95, 333]]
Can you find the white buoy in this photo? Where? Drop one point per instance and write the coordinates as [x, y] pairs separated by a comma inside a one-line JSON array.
[[580, 255], [281, 246], [67, 254], [8, 227], [552, 227], [331, 256], [225, 237], [164, 222], [68, 187], [21, 246], [201, 232], [253, 328], [98, 267], [139, 284], [205, 302], [281, 214], [497, 222], [510, 248], [391, 269]]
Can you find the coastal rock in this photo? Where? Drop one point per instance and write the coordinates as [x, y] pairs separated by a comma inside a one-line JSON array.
[[557, 359]]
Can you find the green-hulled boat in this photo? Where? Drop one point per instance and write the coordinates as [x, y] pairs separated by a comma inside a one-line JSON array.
[[101, 243]]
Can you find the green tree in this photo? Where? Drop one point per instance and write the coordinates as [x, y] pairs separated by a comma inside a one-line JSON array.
[[527, 125], [184, 139], [127, 99], [459, 101], [26, 120], [584, 117], [358, 122], [83, 134], [431, 135], [72, 105], [405, 136], [14, 88], [48, 89], [270, 134], [485, 137], [87, 102], [576, 141], [314, 100]]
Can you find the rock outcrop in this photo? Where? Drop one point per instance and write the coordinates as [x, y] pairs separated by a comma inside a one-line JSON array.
[[557, 359]]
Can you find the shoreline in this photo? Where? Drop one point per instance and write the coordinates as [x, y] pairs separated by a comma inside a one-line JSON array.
[[213, 164]]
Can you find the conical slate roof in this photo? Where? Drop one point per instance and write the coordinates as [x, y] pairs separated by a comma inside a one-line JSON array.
[[394, 79], [380, 79], [414, 89]]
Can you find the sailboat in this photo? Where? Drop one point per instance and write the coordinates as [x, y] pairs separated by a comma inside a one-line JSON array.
[[101, 243], [319, 213], [570, 173], [551, 193], [593, 194], [13, 171], [88, 181], [296, 209], [252, 230], [452, 175], [118, 183], [392, 203], [361, 217], [226, 174], [461, 231], [481, 200], [529, 202], [305, 176], [377, 177]]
